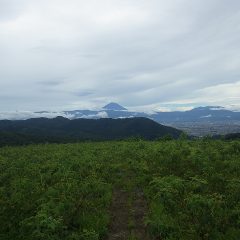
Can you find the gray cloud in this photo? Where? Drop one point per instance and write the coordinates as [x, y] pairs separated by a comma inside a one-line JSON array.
[[72, 54], [84, 93]]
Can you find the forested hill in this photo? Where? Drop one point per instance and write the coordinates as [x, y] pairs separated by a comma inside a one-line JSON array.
[[38, 130], [232, 136]]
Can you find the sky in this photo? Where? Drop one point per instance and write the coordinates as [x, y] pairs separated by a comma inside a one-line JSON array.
[[143, 54]]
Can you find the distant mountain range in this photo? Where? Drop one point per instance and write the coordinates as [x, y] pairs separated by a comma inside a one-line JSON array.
[[195, 121], [200, 114], [60, 130], [115, 111]]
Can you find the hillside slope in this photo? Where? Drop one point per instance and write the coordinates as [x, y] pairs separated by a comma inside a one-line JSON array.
[[64, 130]]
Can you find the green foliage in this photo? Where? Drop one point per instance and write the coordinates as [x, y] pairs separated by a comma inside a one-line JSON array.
[[63, 192], [194, 191], [53, 192], [63, 130]]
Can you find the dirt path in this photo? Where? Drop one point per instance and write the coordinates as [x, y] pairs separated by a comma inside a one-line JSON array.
[[140, 210], [128, 212], [118, 228]]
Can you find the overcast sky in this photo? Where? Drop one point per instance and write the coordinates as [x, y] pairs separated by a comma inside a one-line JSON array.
[[74, 54]]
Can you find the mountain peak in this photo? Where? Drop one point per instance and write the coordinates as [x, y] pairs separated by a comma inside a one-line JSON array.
[[114, 106]]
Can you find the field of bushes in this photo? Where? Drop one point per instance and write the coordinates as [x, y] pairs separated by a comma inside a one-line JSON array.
[[65, 191]]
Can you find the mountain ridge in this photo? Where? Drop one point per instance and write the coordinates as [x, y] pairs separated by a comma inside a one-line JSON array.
[[115, 110], [198, 121], [60, 129]]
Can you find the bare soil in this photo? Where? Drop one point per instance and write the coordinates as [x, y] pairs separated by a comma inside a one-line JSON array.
[[128, 212], [118, 228], [140, 210]]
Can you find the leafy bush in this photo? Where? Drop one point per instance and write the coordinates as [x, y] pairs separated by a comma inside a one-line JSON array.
[[63, 192]]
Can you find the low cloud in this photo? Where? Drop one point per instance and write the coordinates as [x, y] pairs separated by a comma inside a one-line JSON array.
[[101, 114], [18, 115]]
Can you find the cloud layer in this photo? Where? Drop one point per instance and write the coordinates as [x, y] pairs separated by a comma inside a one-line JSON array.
[[66, 54]]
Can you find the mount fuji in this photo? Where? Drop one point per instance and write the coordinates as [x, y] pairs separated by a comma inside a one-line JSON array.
[[198, 121]]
